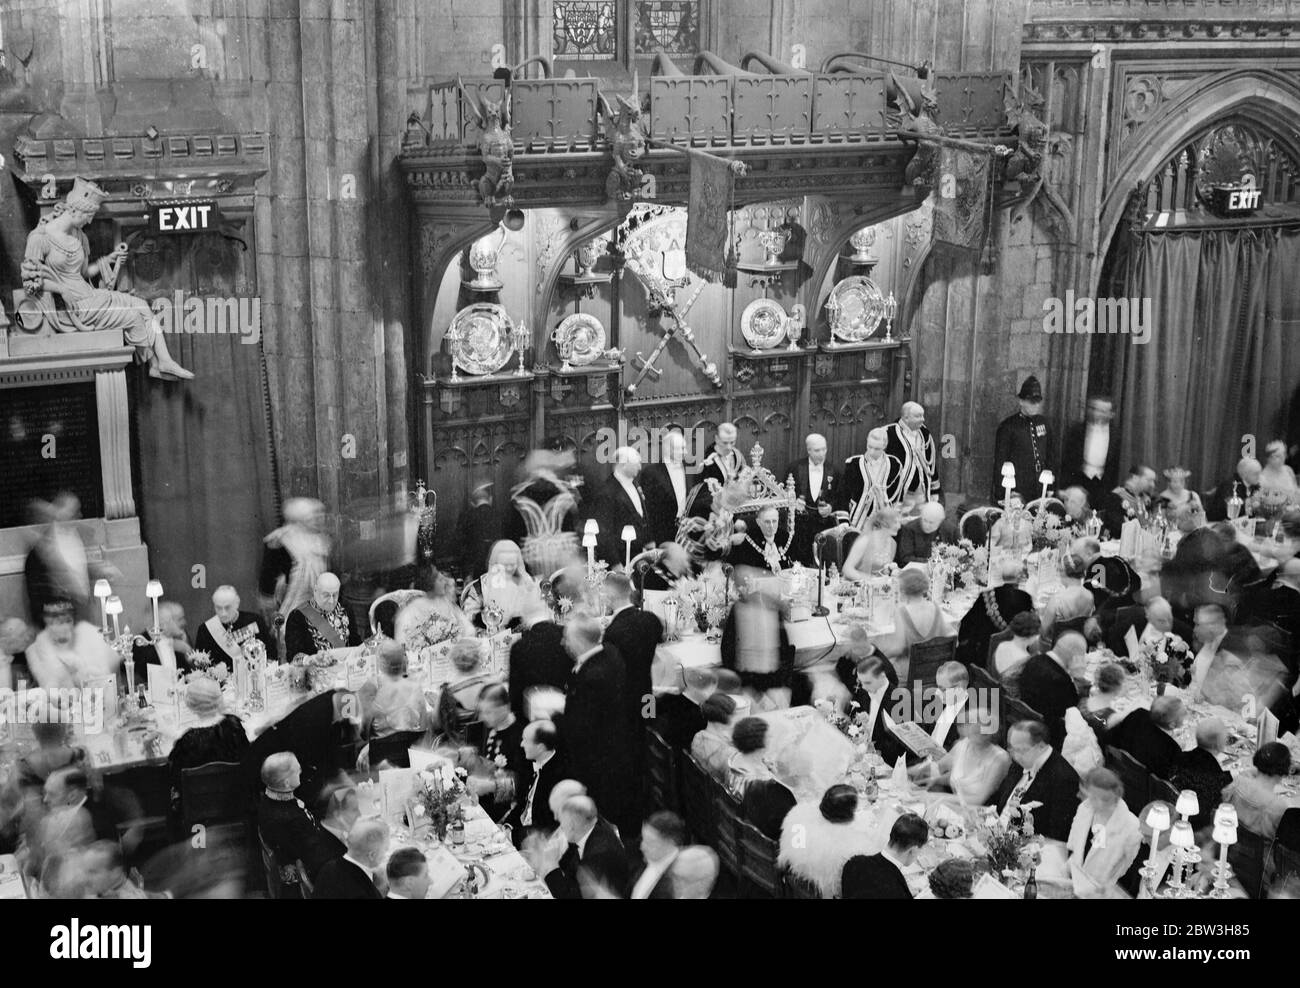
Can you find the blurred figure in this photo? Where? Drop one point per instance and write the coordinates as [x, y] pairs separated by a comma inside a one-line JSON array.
[[1131, 501], [395, 714], [817, 840], [663, 835], [296, 555], [1104, 838], [1244, 483], [694, 872], [1075, 500], [1148, 735], [506, 586], [1177, 493], [224, 635], [57, 567], [408, 874], [635, 635], [498, 739], [1090, 453], [712, 745], [68, 652], [1254, 791], [755, 644], [15, 638], [353, 875], [597, 734], [594, 862], [880, 876], [105, 874], [478, 530], [320, 624], [545, 516], [678, 717], [1200, 770], [539, 665], [669, 563], [1275, 475], [1013, 532], [432, 618], [54, 751], [341, 811], [456, 707]]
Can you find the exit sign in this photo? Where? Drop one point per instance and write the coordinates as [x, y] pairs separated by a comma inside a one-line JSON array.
[[1238, 199], [184, 217]]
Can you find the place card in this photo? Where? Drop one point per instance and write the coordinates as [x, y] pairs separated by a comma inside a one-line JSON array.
[[162, 685], [395, 788], [103, 694], [439, 665], [279, 692], [360, 670]]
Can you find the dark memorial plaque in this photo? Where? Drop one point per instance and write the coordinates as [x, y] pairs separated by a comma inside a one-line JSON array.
[[49, 442]]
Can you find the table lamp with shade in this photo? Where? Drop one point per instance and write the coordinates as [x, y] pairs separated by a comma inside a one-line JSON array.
[[1008, 483], [1158, 820], [1188, 805], [102, 592], [113, 606], [154, 590], [1183, 839], [1225, 835], [629, 536], [1047, 479], [589, 533]]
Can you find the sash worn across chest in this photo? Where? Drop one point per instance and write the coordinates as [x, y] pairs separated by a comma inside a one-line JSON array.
[[323, 633], [231, 641]]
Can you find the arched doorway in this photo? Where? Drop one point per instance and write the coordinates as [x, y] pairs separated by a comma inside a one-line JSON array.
[[1214, 297]]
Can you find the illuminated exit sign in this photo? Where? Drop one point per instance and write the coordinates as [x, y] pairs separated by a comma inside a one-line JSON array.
[[186, 217]]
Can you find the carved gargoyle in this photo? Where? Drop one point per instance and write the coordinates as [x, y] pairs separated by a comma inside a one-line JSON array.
[[1027, 161], [915, 108], [497, 148], [628, 145]]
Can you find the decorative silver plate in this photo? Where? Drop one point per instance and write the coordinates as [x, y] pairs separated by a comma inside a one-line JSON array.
[[856, 307], [480, 336], [763, 324], [580, 339]]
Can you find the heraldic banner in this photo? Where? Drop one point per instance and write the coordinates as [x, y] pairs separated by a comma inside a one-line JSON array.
[[962, 198]]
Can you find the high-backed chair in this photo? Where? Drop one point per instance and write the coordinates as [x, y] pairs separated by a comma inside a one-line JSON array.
[[1134, 775], [661, 761], [697, 800], [925, 658], [760, 872]]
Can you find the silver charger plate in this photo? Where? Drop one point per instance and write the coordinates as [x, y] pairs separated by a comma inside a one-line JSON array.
[[584, 335], [481, 340], [763, 324], [856, 308]]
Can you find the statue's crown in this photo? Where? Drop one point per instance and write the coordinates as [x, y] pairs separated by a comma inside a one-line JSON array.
[[85, 195]]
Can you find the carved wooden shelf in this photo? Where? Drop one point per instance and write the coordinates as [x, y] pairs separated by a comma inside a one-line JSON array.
[[589, 371], [471, 381], [780, 353], [585, 286], [826, 346], [772, 269]]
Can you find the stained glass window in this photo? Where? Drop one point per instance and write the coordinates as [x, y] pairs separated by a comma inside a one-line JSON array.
[[585, 29], [669, 26]]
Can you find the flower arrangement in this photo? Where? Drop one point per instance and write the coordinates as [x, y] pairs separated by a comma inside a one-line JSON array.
[[1010, 845], [202, 666], [438, 801], [703, 602], [1167, 657], [850, 724], [1049, 532], [435, 630], [964, 560]]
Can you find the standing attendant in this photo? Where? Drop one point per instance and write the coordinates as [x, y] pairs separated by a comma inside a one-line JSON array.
[[817, 485], [1023, 440], [870, 482], [723, 465], [666, 486], [1090, 457], [621, 502], [912, 445]]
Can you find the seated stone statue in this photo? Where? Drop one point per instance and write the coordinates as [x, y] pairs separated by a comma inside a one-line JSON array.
[[56, 273]]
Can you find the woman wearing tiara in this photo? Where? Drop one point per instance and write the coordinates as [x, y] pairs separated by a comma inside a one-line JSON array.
[[57, 263], [1177, 493]]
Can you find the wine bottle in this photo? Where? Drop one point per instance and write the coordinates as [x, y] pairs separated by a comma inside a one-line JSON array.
[[1031, 887]]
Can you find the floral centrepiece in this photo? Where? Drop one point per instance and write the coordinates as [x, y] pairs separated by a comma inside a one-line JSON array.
[[202, 667], [1048, 532], [965, 561], [702, 602], [1010, 844], [438, 799], [1167, 658]]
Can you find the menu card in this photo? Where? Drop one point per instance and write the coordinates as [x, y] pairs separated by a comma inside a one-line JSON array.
[[917, 741], [103, 694], [360, 670], [162, 685], [395, 788], [11, 878], [279, 688]]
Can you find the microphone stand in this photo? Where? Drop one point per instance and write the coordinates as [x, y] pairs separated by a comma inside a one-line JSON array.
[[819, 610]]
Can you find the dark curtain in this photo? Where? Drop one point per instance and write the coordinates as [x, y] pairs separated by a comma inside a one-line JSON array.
[[207, 483], [1223, 359]]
